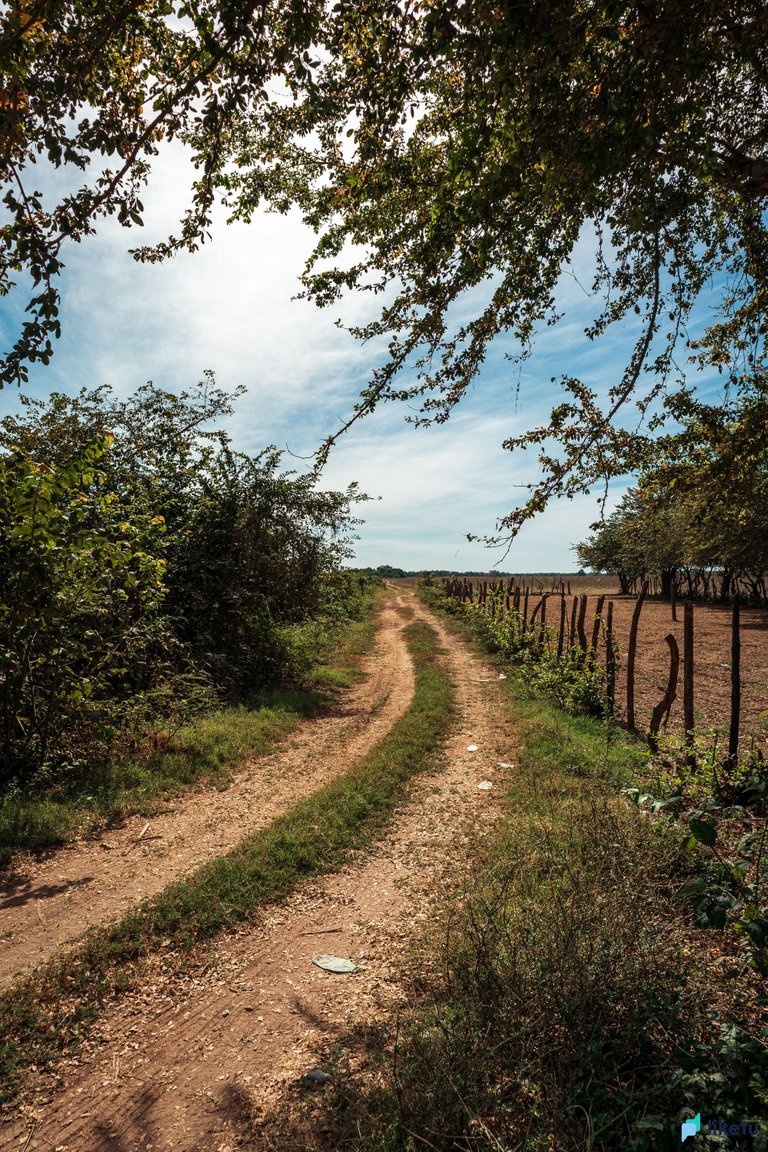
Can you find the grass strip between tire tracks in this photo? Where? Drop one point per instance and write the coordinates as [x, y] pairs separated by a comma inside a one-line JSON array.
[[45, 1016]]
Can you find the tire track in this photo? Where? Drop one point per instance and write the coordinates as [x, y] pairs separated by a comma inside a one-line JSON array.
[[198, 1063], [47, 903]]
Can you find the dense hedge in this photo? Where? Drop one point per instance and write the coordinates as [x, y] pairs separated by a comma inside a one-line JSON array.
[[147, 570]]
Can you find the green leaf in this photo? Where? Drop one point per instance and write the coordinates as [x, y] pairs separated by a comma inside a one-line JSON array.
[[716, 916], [693, 886], [704, 832], [757, 930], [659, 805], [651, 1122]]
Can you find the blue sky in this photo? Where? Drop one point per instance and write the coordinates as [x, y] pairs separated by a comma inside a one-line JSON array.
[[229, 308]]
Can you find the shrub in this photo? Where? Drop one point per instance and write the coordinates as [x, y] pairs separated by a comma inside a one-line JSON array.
[[570, 1014], [81, 633], [573, 683]]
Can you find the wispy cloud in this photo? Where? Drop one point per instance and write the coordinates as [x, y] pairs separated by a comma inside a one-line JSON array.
[[230, 307]]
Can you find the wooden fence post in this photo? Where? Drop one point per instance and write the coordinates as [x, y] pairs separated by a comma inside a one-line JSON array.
[[596, 625], [733, 732], [631, 653], [574, 609], [661, 711], [688, 669], [610, 657], [561, 634], [580, 624]]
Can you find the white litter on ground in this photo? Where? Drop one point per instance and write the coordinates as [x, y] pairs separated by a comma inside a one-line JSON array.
[[334, 964]]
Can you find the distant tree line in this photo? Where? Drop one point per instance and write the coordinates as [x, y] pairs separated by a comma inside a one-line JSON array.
[[698, 516], [147, 570], [388, 572]]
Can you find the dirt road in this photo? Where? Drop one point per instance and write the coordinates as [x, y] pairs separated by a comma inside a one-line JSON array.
[[47, 903], [198, 1063]]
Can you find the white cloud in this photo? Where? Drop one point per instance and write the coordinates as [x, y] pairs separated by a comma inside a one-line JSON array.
[[438, 484], [229, 308]]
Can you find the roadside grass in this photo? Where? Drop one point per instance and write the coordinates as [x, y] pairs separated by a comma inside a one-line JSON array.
[[46, 1015], [207, 751], [562, 1003], [572, 1006]]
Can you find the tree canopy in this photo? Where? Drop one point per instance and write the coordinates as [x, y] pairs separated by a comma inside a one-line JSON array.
[[698, 515], [449, 155]]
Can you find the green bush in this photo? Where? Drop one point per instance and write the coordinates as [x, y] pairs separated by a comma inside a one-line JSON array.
[[147, 571], [573, 683], [81, 634], [247, 546]]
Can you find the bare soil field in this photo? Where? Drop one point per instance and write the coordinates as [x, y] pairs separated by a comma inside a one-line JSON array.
[[712, 664], [712, 655]]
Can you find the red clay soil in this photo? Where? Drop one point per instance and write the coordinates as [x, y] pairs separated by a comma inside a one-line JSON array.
[[45, 903], [200, 1063], [712, 655], [712, 664]]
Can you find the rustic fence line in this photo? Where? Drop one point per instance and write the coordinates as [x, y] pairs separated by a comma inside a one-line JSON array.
[[509, 596], [714, 587]]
